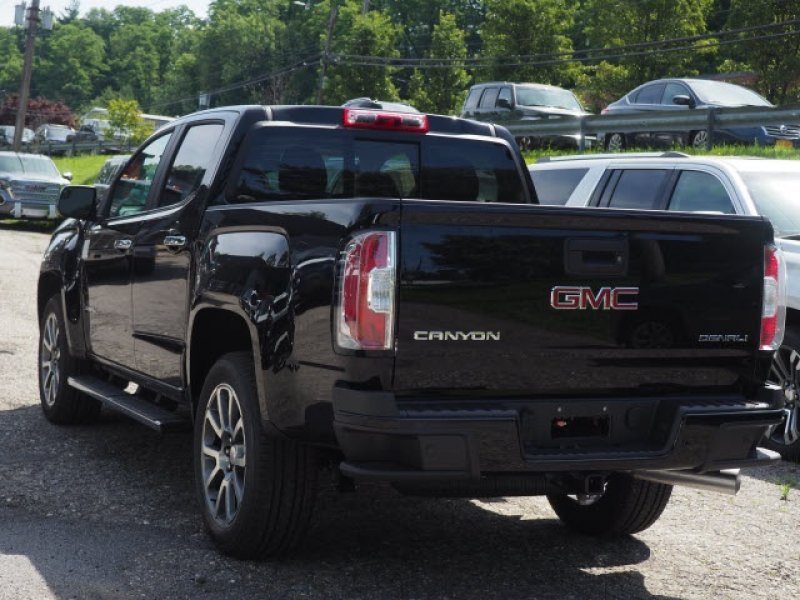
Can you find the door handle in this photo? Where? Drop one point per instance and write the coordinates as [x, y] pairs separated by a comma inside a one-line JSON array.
[[596, 257], [175, 242], [123, 245]]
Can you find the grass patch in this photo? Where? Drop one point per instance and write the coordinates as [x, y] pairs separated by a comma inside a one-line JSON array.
[[532, 156], [84, 168], [785, 489]]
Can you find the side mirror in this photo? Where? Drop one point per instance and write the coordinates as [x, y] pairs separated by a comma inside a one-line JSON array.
[[683, 100], [67, 176], [78, 201], [504, 103]]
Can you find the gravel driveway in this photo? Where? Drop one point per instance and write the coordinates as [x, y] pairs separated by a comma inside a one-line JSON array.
[[107, 511]]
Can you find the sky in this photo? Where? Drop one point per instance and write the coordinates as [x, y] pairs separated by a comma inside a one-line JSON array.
[[57, 6]]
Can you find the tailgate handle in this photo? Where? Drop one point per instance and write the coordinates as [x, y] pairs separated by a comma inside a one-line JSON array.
[[596, 257]]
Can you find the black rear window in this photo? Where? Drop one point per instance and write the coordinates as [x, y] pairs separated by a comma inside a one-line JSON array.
[[297, 164]]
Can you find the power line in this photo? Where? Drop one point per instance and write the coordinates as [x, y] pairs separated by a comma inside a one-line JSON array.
[[467, 63], [304, 63], [474, 63], [637, 45]]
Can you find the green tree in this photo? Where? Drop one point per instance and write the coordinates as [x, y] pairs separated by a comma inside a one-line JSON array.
[[613, 23], [71, 64], [515, 29], [124, 118], [11, 65], [372, 34], [441, 90], [775, 61], [240, 42], [417, 18]]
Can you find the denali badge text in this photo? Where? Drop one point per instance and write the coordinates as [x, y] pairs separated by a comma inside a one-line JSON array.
[[736, 338], [457, 336], [564, 297]]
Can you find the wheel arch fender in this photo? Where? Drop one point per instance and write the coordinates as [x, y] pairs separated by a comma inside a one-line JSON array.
[[214, 330]]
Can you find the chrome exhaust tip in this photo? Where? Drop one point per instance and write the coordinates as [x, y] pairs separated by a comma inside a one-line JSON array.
[[722, 482]]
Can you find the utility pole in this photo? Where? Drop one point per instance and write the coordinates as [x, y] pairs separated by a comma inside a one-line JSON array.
[[327, 53], [365, 9], [27, 70]]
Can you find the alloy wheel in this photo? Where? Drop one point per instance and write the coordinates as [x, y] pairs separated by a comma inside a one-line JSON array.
[[223, 454], [616, 142], [700, 140], [50, 356], [785, 373]]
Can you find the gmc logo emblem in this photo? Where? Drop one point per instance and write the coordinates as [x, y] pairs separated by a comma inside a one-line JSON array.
[[564, 297]]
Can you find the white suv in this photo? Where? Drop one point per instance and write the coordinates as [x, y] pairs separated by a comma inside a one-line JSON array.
[[674, 181]]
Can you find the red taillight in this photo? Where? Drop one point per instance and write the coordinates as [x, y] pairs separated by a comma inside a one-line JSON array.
[[375, 119], [773, 311], [604, 111], [365, 313]]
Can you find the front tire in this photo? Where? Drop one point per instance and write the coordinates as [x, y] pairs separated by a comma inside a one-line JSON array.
[[61, 403], [256, 492], [785, 373], [628, 506]]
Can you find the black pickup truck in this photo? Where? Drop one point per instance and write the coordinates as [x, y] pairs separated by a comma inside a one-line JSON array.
[[380, 292]]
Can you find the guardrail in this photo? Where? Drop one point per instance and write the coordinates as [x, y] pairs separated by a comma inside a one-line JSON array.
[[74, 148], [680, 120]]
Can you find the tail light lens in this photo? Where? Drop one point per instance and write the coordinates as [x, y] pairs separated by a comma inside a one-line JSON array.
[[604, 111], [773, 311], [366, 308]]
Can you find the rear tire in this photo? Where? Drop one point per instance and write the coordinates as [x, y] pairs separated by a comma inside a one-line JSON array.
[[256, 492], [628, 506], [785, 373], [61, 403], [615, 142], [699, 140]]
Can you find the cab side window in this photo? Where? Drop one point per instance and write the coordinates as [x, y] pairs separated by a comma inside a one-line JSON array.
[[191, 162], [129, 195], [700, 192], [489, 97], [651, 94], [672, 90], [505, 94], [472, 99], [639, 188]]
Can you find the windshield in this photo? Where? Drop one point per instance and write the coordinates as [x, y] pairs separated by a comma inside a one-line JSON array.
[[547, 97], [775, 197], [43, 167], [726, 94], [10, 164]]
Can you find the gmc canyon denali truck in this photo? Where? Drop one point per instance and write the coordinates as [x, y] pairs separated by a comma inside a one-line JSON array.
[[381, 292]]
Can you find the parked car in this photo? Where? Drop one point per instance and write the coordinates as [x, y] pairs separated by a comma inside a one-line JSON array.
[[687, 94], [675, 182], [398, 107], [369, 289], [502, 101], [7, 135], [29, 186], [108, 171], [54, 133], [86, 133]]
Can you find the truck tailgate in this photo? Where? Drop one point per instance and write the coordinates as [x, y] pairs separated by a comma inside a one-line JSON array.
[[545, 301]]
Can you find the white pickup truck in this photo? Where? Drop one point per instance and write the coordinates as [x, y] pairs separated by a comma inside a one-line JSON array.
[[674, 181]]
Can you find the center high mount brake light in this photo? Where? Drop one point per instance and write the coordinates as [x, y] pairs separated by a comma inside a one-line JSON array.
[[387, 121]]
